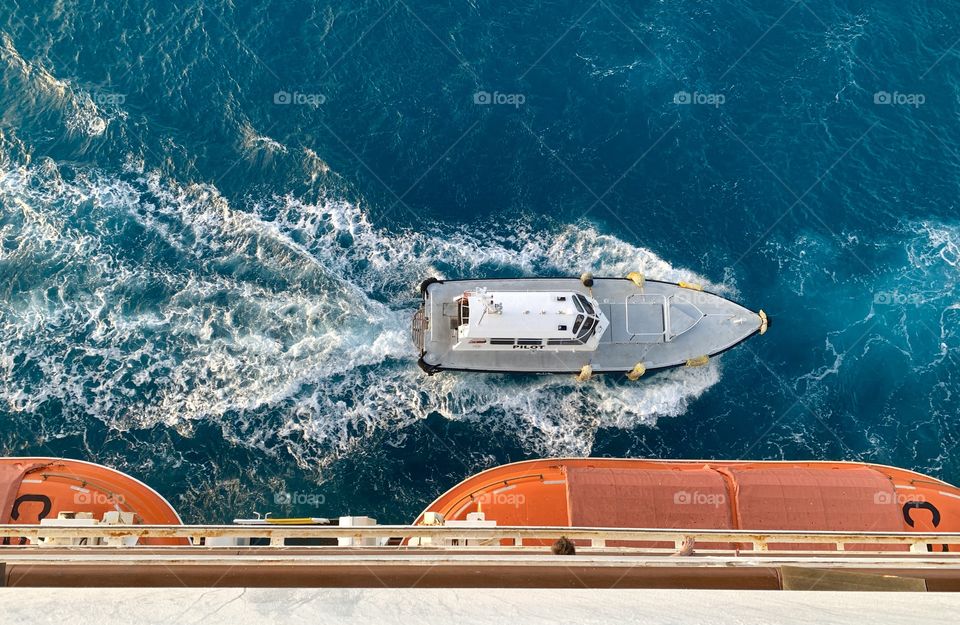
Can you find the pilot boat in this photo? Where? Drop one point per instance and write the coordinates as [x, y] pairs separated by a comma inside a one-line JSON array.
[[568, 325]]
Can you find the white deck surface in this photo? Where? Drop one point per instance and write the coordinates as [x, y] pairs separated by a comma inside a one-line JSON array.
[[523, 315], [239, 606]]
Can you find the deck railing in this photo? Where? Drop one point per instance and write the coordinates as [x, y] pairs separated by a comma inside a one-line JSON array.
[[495, 538]]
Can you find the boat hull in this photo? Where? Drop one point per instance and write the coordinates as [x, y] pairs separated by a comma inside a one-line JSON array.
[[710, 325]]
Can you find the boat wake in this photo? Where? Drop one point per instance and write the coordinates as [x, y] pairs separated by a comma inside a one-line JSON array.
[[139, 301]]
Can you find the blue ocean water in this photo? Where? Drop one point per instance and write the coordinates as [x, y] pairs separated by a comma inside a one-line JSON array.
[[213, 216]]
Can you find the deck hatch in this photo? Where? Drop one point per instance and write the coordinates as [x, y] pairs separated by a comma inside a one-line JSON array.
[[602, 497], [646, 317], [813, 498]]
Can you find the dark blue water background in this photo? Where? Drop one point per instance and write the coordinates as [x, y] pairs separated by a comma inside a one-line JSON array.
[[213, 216]]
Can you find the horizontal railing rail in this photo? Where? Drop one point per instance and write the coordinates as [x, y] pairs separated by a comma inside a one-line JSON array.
[[441, 536]]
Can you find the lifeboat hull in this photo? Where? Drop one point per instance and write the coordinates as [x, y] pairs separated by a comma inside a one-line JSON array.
[[35, 489], [700, 494]]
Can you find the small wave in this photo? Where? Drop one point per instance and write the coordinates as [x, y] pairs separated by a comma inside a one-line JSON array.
[[39, 91], [256, 143]]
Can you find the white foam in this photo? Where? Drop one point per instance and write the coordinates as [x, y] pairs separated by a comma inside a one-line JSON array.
[[86, 117], [287, 324], [944, 240]]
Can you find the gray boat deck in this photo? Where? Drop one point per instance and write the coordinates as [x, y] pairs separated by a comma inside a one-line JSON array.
[[661, 325]]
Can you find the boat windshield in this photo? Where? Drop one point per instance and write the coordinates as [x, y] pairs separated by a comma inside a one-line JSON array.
[[583, 304], [587, 329], [577, 323]]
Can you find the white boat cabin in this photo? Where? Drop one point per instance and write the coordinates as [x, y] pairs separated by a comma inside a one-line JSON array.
[[534, 320]]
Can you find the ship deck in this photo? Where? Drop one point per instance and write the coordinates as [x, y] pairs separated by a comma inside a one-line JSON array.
[[402, 606]]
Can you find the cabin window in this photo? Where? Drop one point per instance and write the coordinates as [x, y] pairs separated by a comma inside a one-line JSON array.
[[586, 307], [564, 342], [587, 329], [502, 341], [529, 341], [576, 324], [576, 302]]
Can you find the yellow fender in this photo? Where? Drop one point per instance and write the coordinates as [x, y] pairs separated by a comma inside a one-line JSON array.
[[586, 372], [638, 370], [699, 361], [764, 322], [690, 285], [637, 278]]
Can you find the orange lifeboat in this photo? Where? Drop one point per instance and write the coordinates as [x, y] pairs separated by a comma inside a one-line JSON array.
[[699, 494], [34, 490]]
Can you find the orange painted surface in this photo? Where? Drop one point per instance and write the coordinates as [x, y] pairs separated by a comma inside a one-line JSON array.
[[32, 489], [700, 494]]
